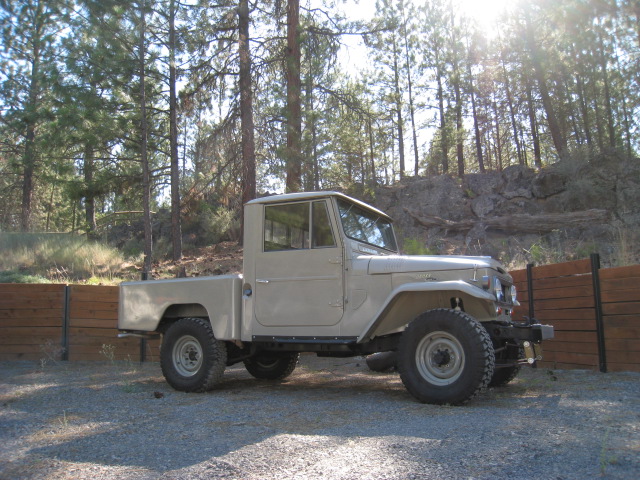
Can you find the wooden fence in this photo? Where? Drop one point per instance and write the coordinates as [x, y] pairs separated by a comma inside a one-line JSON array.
[[61, 322], [595, 313]]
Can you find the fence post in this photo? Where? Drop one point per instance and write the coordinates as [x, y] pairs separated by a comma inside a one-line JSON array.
[[532, 312], [595, 276], [66, 315]]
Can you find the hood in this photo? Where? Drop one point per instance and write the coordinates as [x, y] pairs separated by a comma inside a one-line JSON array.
[[419, 263]]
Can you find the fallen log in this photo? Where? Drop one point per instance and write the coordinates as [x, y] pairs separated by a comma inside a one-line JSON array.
[[518, 223]]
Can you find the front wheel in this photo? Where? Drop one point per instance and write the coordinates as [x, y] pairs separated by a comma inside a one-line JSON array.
[[272, 366], [191, 358], [445, 357]]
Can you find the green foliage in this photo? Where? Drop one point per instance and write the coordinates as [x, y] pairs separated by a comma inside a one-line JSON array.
[[216, 225], [415, 246], [65, 256], [11, 276]]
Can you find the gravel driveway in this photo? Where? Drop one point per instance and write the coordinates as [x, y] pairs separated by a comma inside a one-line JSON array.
[[332, 419]]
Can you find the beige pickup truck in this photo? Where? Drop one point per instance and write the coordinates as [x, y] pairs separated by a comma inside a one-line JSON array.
[[323, 274]]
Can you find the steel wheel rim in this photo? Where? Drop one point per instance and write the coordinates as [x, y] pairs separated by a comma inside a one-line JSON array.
[[440, 358], [187, 356]]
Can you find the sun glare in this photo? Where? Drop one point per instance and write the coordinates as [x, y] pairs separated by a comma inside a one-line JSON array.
[[485, 13]]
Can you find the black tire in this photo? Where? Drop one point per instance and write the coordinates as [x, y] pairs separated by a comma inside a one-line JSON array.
[[509, 355], [272, 365], [445, 357], [383, 362], [191, 358]]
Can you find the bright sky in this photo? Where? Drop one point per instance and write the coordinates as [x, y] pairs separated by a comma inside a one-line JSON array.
[[354, 56]]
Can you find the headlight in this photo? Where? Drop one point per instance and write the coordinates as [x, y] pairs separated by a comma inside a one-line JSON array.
[[514, 294], [497, 288]]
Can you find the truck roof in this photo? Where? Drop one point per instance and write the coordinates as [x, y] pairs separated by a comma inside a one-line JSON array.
[[293, 197]]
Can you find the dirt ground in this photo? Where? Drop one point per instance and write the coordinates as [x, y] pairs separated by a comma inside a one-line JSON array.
[[332, 419]]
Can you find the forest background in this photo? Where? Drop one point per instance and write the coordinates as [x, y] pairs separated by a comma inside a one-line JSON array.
[[114, 109]]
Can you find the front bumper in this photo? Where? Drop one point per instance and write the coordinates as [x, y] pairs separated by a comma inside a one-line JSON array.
[[533, 333]]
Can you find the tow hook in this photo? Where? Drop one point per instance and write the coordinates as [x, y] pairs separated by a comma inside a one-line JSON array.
[[531, 352]]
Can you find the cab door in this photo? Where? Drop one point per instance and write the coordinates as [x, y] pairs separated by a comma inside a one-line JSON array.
[[299, 272]]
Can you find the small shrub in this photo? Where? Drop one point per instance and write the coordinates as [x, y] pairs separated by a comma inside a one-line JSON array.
[[414, 246]]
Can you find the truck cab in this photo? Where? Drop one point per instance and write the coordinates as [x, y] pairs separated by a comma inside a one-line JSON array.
[[322, 273]]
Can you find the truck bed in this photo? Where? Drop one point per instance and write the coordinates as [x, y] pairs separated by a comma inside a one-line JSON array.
[[144, 304]]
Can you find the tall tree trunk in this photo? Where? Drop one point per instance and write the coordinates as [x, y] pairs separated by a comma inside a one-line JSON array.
[[176, 225], [498, 136], [146, 173], [89, 198], [512, 113], [459, 129], [456, 78], [533, 125], [372, 160], [582, 101], [443, 124], [294, 110], [410, 87], [246, 107], [398, 102], [559, 141], [607, 93], [30, 153], [476, 126]]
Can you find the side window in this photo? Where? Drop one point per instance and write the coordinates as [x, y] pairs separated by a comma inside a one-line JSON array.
[[286, 227], [322, 234]]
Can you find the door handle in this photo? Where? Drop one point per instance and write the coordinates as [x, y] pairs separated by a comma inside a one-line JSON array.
[[261, 281]]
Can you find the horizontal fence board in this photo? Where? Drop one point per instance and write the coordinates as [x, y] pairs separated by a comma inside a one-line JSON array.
[[587, 314], [620, 272], [563, 303], [579, 337], [94, 295], [32, 322], [584, 280], [619, 283], [519, 278], [618, 356], [564, 292], [616, 296], [33, 303], [620, 333], [14, 313], [566, 366], [590, 348], [624, 345], [561, 269], [573, 358], [622, 321], [629, 308], [93, 322], [29, 288], [623, 367], [574, 325], [22, 356], [102, 311]]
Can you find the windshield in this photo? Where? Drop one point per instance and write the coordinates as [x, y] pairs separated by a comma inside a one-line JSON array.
[[365, 226]]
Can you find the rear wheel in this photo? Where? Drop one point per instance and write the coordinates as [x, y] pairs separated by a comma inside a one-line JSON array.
[[383, 361], [445, 357], [272, 365], [191, 358]]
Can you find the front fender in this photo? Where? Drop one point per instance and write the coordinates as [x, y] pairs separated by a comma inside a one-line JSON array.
[[408, 300]]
